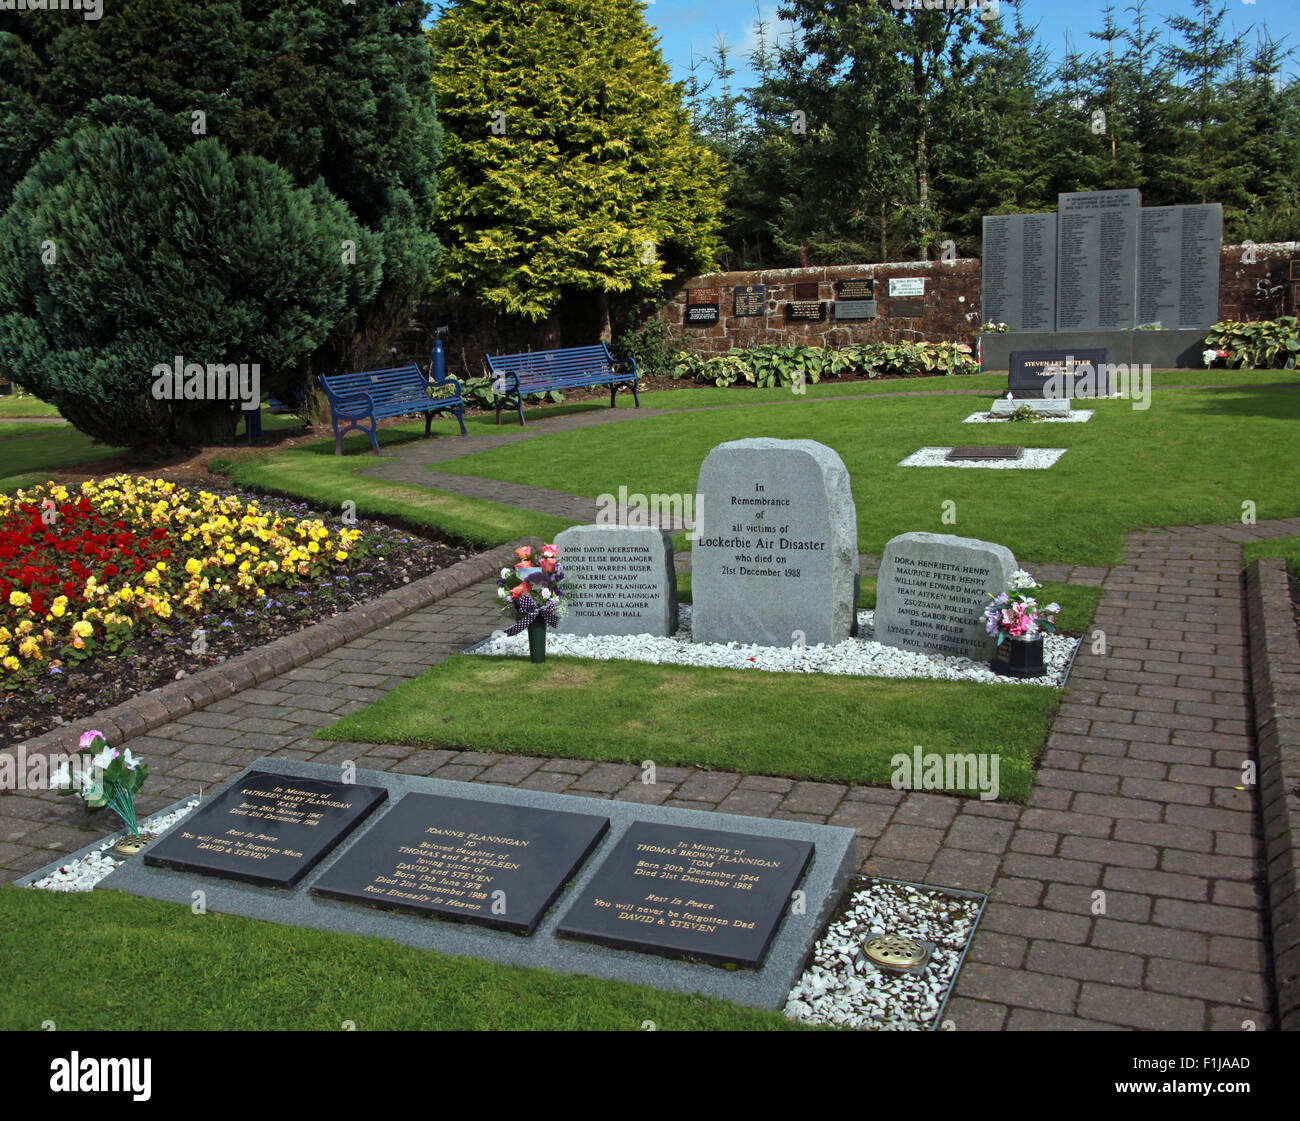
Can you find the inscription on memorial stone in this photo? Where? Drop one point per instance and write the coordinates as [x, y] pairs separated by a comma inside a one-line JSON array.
[[266, 829], [931, 593], [488, 863], [805, 310], [751, 299], [855, 309], [623, 580], [690, 893], [1096, 260], [775, 555], [863, 288], [1178, 265], [1058, 373], [1018, 273]]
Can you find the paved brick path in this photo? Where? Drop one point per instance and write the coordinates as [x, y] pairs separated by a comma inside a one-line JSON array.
[[1137, 799]]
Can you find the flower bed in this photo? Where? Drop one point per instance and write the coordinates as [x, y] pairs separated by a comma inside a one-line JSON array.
[[125, 583]]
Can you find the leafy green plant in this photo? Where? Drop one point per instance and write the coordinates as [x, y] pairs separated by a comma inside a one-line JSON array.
[[768, 367], [1269, 344]]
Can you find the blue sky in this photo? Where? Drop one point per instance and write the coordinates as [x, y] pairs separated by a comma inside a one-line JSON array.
[[684, 25]]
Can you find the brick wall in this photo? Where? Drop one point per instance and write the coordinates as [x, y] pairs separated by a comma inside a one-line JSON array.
[[1247, 290]]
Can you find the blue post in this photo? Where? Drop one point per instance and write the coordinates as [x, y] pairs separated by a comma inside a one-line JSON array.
[[439, 362]]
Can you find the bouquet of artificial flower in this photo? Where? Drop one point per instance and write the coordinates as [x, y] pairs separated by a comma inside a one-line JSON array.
[[110, 778], [1016, 614], [531, 590]]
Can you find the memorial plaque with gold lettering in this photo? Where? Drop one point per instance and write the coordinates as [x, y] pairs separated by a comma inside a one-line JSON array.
[[699, 894], [266, 829], [751, 299], [813, 311], [475, 861]]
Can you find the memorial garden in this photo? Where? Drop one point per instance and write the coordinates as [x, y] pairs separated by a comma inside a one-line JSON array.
[[645, 624]]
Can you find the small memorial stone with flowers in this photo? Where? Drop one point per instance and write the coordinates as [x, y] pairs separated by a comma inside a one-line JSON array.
[[531, 592], [1018, 621]]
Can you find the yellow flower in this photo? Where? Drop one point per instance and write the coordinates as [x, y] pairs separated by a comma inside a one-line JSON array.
[[19, 599], [82, 629], [11, 664], [30, 648], [59, 606], [340, 555]]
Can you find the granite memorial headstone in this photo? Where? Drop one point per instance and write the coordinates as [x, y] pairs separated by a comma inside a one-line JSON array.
[[775, 557], [932, 590]]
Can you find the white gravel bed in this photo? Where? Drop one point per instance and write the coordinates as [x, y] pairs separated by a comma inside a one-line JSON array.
[[1077, 416], [83, 874], [856, 657], [1033, 459], [839, 990]]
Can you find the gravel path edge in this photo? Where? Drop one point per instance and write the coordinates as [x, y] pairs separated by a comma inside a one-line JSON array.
[[156, 707], [1275, 685]]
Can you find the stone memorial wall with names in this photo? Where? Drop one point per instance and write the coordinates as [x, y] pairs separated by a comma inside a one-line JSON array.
[[1178, 265], [1096, 260], [1019, 272]]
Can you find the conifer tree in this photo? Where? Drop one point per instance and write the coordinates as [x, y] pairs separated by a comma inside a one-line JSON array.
[[569, 170]]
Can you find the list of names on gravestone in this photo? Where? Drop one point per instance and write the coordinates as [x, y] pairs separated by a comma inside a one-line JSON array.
[[1096, 260], [1199, 255], [488, 863], [932, 589], [622, 580], [701, 893], [1018, 275], [266, 829], [939, 600]]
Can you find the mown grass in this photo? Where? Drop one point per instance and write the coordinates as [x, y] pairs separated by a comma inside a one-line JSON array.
[[29, 452], [1194, 456], [1288, 548], [802, 726], [12, 406], [107, 961], [313, 473]]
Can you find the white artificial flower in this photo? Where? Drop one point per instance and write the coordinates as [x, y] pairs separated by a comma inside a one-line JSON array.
[[129, 760], [502, 593], [505, 574], [546, 593], [104, 758], [62, 778], [1208, 356]]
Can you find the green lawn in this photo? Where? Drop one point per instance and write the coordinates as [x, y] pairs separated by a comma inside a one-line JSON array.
[[1288, 548], [1193, 456], [28, 452], [804, 726], [106, 961], [25, 406], [315, 474]]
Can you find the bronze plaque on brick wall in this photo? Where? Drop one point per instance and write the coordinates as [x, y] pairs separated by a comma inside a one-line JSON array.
[[807, 290]]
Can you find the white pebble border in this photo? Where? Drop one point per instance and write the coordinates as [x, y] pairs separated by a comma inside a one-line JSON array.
[[856, 657], [1077, 416], [84, 873], [839, 991], [1033, 459]]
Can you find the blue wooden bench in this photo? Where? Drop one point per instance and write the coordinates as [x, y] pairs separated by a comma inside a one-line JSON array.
[[514, 376], [398, 391]]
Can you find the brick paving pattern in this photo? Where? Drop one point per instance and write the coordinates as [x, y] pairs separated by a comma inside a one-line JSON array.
[[1128, 893]]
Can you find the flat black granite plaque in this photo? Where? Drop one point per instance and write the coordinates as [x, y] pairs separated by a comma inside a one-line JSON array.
[[700, 894], [459, 858], [807, 310], [267, 829], [1096, 260], [1178, 265], [1018, 271], [863, 288], [701, 315], [1030, 373], [989, 451], [751, 299], [855, 309]]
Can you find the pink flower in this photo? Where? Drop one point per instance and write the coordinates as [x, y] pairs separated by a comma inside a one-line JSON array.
[[88, 739]]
